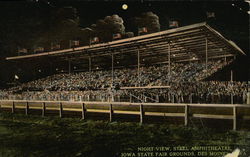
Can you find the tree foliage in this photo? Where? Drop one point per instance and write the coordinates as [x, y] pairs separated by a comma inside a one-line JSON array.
[[148, 20], [29, 26], [105, 28]]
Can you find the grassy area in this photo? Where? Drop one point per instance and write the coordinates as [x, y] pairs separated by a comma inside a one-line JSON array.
[[28, 136]]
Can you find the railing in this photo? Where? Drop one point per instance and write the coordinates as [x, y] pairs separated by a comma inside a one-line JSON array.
[[141, 109], [146, 97], [133, 96]]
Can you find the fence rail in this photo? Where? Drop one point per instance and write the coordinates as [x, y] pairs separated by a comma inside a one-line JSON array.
[[185, 111]]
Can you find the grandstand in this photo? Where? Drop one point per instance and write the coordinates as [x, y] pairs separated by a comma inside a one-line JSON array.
[[167, 66]]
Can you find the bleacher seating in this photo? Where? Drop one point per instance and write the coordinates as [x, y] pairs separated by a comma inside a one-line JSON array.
[[185, 81]]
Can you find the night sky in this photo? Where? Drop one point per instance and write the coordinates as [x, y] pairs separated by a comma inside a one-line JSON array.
[[187, 12], [231, 17]]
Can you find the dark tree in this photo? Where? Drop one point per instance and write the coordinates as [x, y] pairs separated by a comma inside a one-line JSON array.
[[105, 28], [148, 20]]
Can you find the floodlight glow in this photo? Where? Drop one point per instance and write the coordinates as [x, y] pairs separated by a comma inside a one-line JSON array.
[[16, 77]]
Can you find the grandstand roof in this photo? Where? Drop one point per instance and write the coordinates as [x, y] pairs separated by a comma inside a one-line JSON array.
[[186, 43]]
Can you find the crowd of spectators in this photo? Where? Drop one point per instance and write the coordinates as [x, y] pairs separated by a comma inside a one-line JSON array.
[[186, 92], [185, 81], [152, 75]]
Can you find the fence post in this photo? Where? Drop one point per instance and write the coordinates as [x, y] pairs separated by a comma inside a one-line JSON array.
[[110, 112], [83, 111], [44, 109], [27, 108], [60, 110], [141, 113], [234, 118], [13, 107], [186, 114]]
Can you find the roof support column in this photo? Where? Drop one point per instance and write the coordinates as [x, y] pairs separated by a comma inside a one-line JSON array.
[[206, 55], [112, 69], [90, 61], [69, 66], [231, 78], [138, 65], [89, 64], [51, 71], [169, 61]]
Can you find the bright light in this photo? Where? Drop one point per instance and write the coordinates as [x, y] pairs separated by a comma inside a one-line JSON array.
[[16, 77], [124, 6], [248, 12], [194, 58]]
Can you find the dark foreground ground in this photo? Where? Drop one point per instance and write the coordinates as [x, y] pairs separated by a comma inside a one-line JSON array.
[[28, 136]]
